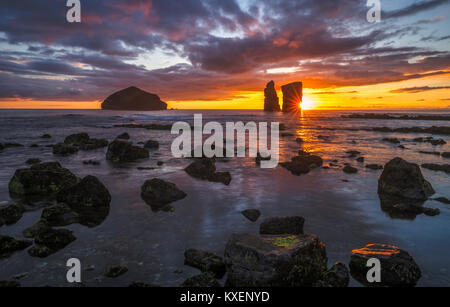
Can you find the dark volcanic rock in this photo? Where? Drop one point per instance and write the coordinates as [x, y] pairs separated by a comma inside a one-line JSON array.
[[205, 169], [398, 268], [205, 261], [82, 141], [443, 200], [115, 271], [274, 261], [9, 245], [292, 97], [33, 231], [446, 155], [11, 214], [62, 149], [122, 151], [124, 136], [405, 209], [374, 167], [50, 241], [437, 167], [350, 169], [271, 101], [158, 193], [89, 198], [77, 139], [251, 214], [41, 180], [338, 276], [361, 159], [33, 161], [291, 225], [403, 180], [59, 215], [205, 280], [134, 99], [303, 163], [91, 162], [353, 153], [46, 136], [150, 144], [221, 177]]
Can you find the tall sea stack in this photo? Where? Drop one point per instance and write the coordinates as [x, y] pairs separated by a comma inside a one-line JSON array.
[[292, 96], [271, 101]]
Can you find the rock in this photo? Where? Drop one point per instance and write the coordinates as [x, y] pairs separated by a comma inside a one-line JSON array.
[[9, 284], [150, 144], [338, 276], [158, 193], [12, 145], [437, 142], [292, 225], [11, 214], [443, 200], [251, 214], [205, 280], [46, 136], [292, 97], [41, 180], [405, 209], [403, 180], [299, 140], [93, 144], [361, 159], [59, 215], [350, 170], [82, 141], [401, 147], [391, 140], [134, 99], [303, 163], [91, 162], [33, 161], [437, 167], [271, 101], [124, 136], [434, 153], [50, 241], [122, 151], [398, 268], [33, 231], [221, 177], [353, 153], [62, 149], [160, 163], [34, 146], [2, 147], [115, 271], [446, 155], [89, 198], [274, 261], [77, 139], [162, 127], [9, 245], [205, 261], [138, 284], [374, 167]]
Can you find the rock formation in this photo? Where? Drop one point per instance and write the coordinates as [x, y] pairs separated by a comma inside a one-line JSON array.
[[134, 99], [292, 96], [271, 101]]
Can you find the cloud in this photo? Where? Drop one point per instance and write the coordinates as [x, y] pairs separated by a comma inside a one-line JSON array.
[[419, 89], [414, 8]]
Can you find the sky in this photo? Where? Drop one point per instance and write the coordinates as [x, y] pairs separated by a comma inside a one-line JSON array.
[[219, 54]]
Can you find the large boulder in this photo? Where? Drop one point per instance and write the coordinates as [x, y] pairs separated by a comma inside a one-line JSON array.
[[122, 151], [205, 261], [292, 96], [158, 194], [403, 180], [41, 180], [50, 241], [398, 268], [274, 261], [9, 245], [271, 101], [134, 99], [89, 199], [291, 225]]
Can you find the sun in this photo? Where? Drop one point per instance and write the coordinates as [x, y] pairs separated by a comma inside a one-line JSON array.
[[307, 103]]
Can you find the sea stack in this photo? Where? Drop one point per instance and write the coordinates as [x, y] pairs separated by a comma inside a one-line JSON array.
[[271, 101], [134, 99], [292, 96]]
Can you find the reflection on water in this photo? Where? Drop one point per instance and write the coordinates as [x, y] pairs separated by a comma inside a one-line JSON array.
[[342, 209]]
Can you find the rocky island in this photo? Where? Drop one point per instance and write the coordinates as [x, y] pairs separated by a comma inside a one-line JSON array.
[[134, 99]]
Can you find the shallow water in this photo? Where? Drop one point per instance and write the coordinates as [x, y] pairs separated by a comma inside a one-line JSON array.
[[345, 215]]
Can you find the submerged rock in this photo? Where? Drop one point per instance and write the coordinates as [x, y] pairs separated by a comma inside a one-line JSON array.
[[77, 139], [41, 180], [271, 101], [437, 167], [443, 200], [292, 225], [82, 141], [33, 161], [9, 245], [221, 177], [11, 214], [59, 215], [350, 169], [205, 169], [303, 163], [89, 199], [398, 268], [205, 280], [205, 261], [150, 144], [446, 155], [374, 167], [338, 276], [62, 149], [124, 136], [46, 136], [274, 261], [122, 151], [115, 271], [134, 99], [158, 194], [33, 231], [251, 214], [392, 140], [403, 180], [50, 241]]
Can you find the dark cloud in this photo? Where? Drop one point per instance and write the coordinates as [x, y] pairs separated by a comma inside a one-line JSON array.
[[419, 89], [414, 8]]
